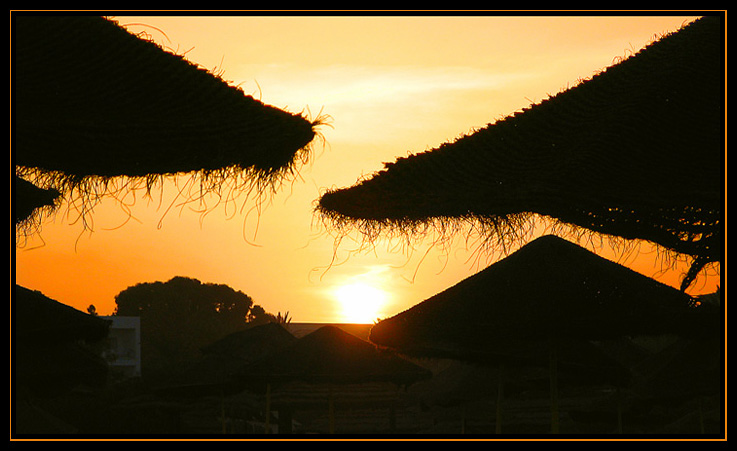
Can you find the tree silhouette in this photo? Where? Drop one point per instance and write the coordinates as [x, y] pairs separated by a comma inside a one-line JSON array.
[[181, 316]]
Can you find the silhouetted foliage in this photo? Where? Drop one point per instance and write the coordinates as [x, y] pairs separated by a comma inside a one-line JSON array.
[[182, 315]]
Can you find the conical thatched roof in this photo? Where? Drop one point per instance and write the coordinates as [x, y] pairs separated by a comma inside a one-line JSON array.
[[331, 355], [27, 198], [91, 99], [47, 357], [39, 319], [253, 343], [223, 359], [688, 368], [550, 288], [636, 152]]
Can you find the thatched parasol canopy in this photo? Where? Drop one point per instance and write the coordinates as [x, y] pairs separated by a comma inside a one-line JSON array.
[[635, 151], [548, 289], [332, 356], [688, 368], [47, 357], [213, 372], [91, 99], [27, 198], [39, 318], [253, 343]]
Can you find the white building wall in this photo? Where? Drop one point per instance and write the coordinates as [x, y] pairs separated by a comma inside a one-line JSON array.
[[124, 338]]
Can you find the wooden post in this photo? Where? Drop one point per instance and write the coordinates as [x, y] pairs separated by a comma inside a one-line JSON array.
[[554, 412], [331, 410], [393, 411], [463, 419], [267, 419], [620, 426], [222, 411], [499, 398]]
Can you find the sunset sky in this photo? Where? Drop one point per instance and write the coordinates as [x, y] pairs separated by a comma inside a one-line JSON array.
[[391, 86]]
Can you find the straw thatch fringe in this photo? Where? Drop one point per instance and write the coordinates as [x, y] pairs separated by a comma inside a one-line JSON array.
[[489, 238], [234, 185], [30, 205], [495, 236]]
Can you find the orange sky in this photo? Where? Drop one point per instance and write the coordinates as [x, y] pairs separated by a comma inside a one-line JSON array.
[[393, 86]]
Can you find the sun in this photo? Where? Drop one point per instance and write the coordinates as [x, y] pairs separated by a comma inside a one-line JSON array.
[[360, 303]]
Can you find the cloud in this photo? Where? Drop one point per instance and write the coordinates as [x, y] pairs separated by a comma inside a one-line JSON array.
[[381, 103], [360, 85]]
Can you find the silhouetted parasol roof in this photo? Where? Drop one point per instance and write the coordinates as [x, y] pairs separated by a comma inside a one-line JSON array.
[[635, 151], [550, 288], [688, 368], [91, 99], [221, 360], [39, 318], [28, 197], [253, 343], [47, 357], [331, 355]]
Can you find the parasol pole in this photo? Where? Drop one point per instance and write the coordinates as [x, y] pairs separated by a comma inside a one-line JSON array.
[[463, 419], [222, 410], [331, 410], [267, 423], [499, 398], [554, 411], [620, 426], [393, 410]]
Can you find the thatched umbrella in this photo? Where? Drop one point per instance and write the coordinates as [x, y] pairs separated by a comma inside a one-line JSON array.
[[92, 101], [330, 355], [635, 152], [690, 370], [52, 351], [548, 291], [253, 343], [549, 287], [47, 356], [39, 318], [213, 372], [28, 198]]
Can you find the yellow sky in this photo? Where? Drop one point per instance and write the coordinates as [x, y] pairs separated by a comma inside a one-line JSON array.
[[392, 86]]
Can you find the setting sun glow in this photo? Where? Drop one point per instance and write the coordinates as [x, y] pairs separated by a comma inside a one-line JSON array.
[[360, 303]]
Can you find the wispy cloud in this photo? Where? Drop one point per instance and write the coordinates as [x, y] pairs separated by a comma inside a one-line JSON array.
[[366, 99], [351, 84]]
